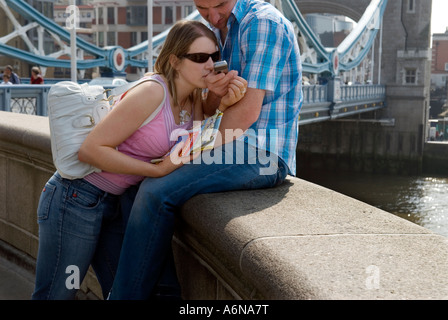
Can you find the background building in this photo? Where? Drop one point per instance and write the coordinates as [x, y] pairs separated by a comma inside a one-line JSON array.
[[439, 75], [22, 68], [125, 23], [439, 67], [102, 22]]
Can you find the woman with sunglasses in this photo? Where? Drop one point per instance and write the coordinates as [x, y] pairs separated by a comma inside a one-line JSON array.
[[259, 42], [81, 221]]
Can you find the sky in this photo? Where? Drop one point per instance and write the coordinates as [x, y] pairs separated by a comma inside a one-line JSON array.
[[439, 18]]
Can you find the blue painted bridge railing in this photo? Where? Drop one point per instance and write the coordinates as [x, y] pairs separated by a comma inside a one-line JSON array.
[[320, 102], [24, 98], [335, 100]]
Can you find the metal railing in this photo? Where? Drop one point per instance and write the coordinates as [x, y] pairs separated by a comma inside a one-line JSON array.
[[24, 98], [319, 101]]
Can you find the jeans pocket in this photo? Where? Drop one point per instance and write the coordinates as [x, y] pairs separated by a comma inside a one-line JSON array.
[[46, 197], [82, 196], [83, 212]]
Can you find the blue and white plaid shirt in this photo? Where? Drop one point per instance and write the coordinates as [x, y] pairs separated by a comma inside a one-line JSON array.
[[262, 47]]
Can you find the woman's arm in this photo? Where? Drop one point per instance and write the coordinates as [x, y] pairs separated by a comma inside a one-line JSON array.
[[99, 148], [240, 116]]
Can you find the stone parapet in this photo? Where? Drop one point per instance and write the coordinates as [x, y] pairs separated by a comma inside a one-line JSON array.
[[296, 241], [303, 241]]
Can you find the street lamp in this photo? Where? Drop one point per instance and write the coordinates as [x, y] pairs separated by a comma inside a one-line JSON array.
[[72, 25], [150, 2]]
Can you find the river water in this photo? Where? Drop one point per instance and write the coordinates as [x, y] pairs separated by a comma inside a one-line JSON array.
[[420, 199]]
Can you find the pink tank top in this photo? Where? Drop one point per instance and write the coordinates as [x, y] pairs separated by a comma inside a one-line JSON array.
[[151, 141]]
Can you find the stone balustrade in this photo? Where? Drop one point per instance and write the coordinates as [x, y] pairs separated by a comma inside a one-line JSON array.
[[296, 241]]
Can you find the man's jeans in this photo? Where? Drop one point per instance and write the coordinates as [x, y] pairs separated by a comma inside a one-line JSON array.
[[151, 223], [79, 225]]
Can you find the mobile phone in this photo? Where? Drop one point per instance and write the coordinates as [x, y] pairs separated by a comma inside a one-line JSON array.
[[221, 66]]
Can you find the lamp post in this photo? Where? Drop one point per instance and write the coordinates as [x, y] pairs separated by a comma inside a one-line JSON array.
[[73, 23], [150, 67]]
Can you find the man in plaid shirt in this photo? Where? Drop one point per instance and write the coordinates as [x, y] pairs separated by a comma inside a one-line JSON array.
[[260, 44]]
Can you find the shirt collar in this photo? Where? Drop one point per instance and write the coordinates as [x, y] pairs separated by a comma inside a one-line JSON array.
[[238, 13], [239, 10]]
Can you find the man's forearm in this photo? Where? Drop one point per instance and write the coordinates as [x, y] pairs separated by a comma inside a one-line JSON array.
[[239, 117]]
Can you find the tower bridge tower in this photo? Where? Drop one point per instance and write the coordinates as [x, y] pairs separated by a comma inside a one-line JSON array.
[[378, 135], [389, 140]]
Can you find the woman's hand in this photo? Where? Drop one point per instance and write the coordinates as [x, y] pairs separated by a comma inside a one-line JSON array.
[[173, 161]]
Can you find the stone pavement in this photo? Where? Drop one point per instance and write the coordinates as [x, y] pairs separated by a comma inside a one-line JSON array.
[[16, 283]]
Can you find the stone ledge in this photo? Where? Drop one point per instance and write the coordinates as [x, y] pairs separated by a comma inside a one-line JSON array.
[[296, 241], [302, 241], [342, 267], [26, 130]]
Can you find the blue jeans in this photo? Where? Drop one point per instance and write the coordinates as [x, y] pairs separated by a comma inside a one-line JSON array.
[[79, 225], [236, 166]]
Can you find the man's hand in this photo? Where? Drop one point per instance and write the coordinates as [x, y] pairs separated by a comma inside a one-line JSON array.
[[237, 89]]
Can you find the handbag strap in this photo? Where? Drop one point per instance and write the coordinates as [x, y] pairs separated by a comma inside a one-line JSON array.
[[125, 87], [121, 89]]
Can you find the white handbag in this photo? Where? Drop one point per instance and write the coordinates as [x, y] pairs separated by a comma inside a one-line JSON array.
[[74, 110]]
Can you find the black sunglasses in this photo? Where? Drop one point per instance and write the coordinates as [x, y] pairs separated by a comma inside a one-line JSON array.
[[202, 57]]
